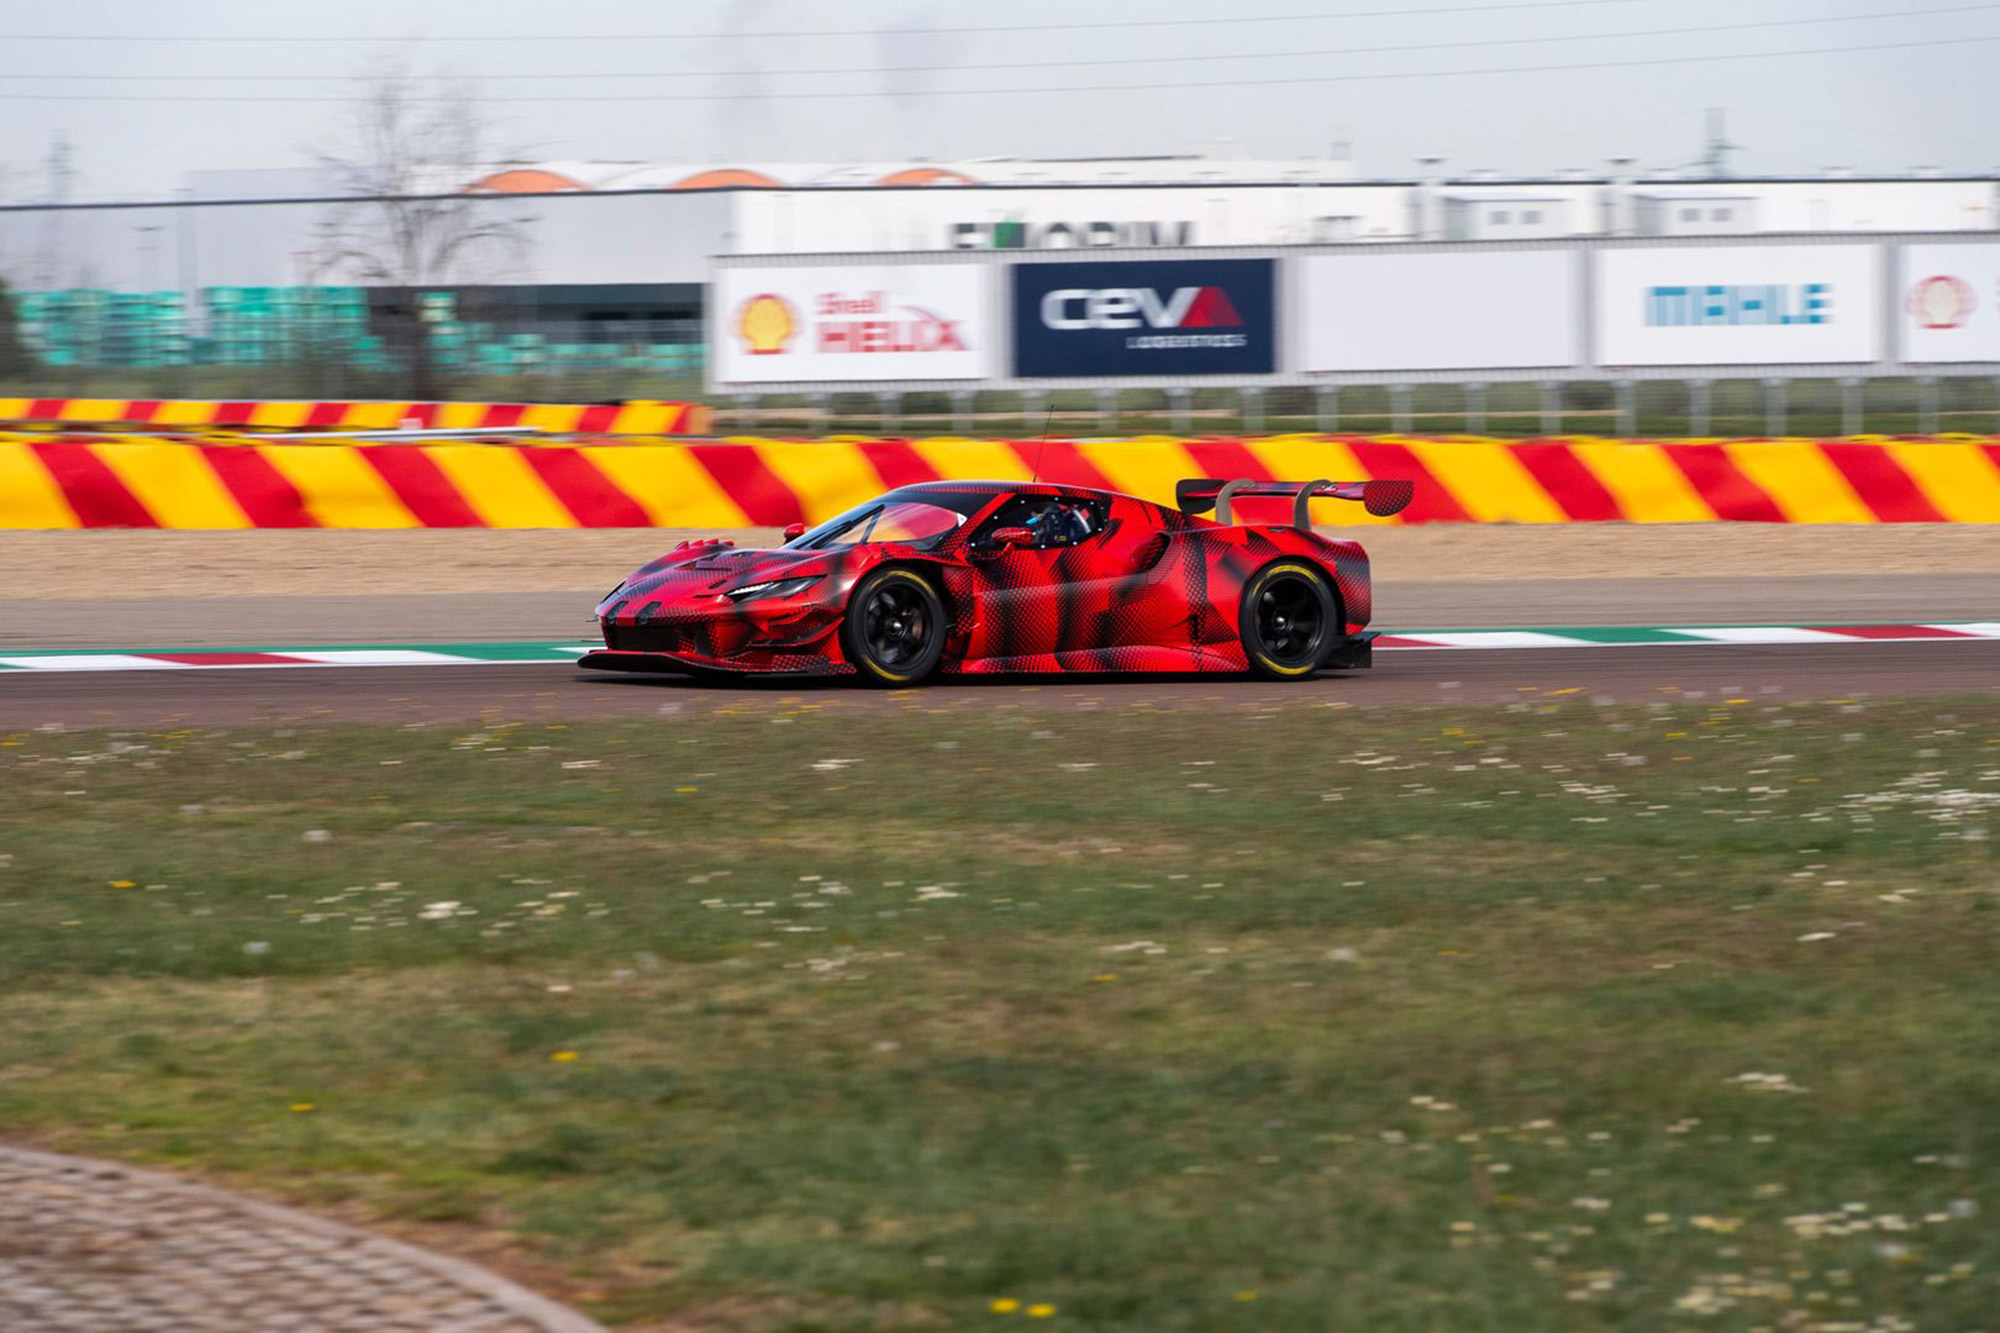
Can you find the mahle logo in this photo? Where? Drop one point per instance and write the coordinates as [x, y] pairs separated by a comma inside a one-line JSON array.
[[1739, 305]]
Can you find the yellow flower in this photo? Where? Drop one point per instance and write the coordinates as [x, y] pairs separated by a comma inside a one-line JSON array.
[[1105, 976], [123, 884], [1246, 1295], [563, 1057], [300, 1108], [1040, 1311], [1004, 1305]]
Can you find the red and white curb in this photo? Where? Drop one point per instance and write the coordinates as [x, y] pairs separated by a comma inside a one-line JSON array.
[[555, 653]]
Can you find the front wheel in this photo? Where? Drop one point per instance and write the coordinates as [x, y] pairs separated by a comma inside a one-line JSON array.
[[895, 628], [1286, 620]]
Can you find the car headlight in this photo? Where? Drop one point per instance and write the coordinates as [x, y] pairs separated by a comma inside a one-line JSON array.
[[773, 588]]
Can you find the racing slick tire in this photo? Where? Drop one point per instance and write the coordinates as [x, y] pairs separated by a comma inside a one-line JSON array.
[[894, 630], [1287, 620]]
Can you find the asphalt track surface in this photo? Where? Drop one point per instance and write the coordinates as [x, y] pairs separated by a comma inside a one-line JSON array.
[[114, 622], [564, 693]]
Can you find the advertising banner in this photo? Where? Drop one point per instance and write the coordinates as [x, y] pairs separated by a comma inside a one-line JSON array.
[[1491, 310], [1145, 317], [1738, 305], [872, 322], [1950, 297]]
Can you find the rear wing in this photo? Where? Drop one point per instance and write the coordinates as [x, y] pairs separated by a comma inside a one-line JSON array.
[[1198, 495]]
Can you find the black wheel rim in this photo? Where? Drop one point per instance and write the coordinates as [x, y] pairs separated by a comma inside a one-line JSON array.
[[1290, 620], [896, 625]]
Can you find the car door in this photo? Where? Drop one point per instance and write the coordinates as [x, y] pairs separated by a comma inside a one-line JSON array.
[[1059, 598]]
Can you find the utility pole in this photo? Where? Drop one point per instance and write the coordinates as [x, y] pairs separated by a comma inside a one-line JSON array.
[[1715, 150], [61, 176], [149, 256]]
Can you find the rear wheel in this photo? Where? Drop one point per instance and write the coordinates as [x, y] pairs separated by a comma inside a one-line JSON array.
[[895, 628], [1286, 620]]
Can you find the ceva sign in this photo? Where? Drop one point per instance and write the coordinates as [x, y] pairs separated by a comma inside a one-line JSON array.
[[1170, 317]]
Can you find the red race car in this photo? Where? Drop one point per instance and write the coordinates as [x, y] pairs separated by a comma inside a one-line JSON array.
[[977, 577]]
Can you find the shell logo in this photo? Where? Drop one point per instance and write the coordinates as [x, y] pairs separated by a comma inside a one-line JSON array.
[[766, 322], [1941, 302]]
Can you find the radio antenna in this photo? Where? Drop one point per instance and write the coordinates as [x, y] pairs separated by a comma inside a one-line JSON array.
[[1042, 444]]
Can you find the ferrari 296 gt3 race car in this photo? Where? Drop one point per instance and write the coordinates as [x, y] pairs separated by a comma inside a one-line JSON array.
[[979, 577]]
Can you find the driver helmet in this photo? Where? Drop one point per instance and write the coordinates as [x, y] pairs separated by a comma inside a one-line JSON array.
[[1061, 523]]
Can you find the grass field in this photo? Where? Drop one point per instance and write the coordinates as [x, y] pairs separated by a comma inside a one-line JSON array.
[[800, 1018]]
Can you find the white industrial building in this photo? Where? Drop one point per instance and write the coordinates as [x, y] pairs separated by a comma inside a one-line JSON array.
[[621, 251], [625, 223]]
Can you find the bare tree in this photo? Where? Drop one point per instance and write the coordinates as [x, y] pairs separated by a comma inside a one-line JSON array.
[[407, 155]]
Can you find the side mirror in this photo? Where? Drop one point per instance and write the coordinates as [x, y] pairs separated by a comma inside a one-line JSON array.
[[794, 531], [1006, 539]]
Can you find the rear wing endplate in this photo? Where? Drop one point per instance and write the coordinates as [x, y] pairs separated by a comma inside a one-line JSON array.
[[1381, 498]]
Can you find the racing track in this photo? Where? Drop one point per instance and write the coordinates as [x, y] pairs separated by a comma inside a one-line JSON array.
[[563, 693]]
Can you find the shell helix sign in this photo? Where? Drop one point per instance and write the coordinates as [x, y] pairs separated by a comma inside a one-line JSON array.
[[860, 323]]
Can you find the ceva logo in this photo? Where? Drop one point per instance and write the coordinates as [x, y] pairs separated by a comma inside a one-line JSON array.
[[1075, 308]]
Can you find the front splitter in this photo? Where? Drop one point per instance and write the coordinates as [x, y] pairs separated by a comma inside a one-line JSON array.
[[614, 659]]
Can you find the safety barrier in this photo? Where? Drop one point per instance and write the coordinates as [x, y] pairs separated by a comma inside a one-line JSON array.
[[136, 482], [190, 414]]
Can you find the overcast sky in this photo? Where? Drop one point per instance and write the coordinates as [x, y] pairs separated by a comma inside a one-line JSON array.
[[1878, 104]]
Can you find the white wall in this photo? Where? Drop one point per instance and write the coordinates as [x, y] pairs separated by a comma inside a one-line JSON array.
[[809, 221], [571, 239]]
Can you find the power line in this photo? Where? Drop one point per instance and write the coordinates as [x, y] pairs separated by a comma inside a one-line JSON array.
[[1058, 64], [1178, 86], [832, 32]]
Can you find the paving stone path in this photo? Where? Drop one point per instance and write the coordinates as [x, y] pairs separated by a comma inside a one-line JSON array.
[[94, 1247]]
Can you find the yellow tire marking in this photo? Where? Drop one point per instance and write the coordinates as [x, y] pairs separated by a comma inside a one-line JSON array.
[[1270, 572], [879, 672]]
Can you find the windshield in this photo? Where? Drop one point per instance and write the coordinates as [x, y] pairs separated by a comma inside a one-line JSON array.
[[920, 524]]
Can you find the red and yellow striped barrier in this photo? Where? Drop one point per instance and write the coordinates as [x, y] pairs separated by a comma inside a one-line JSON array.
[[152, 483], [200, 415]]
